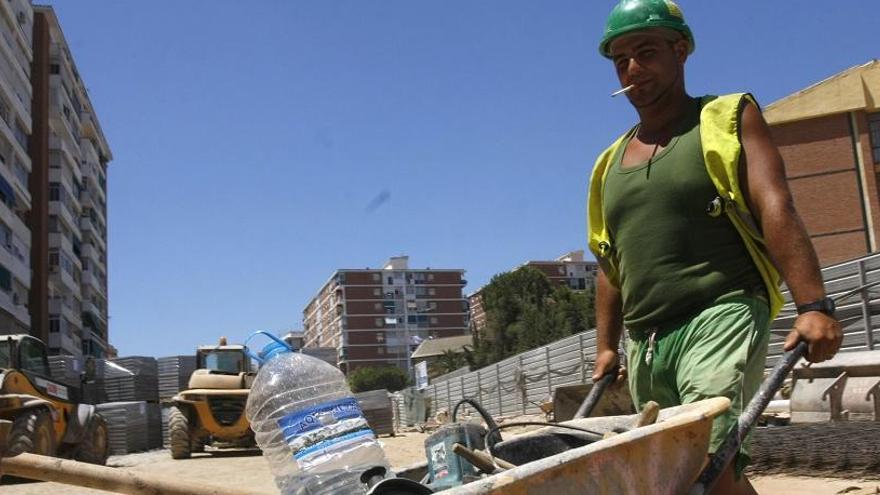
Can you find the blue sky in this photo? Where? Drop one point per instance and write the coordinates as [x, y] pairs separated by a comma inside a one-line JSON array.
[[258, 146]]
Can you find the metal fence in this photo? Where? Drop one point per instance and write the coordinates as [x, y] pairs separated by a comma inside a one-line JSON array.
[[518, 384]]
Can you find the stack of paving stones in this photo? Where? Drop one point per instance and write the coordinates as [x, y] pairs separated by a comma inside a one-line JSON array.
[[154, 426], [166, 439], [174, 373], [133, 378], [377, 409], [66, 370], [127, 426]]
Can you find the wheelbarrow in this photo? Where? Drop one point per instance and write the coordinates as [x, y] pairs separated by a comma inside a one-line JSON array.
[[44, 468]]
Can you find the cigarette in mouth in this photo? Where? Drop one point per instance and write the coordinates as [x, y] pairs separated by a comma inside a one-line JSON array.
[[623, 90]]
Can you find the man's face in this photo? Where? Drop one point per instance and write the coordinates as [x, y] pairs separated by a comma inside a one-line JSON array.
[[652, 60]]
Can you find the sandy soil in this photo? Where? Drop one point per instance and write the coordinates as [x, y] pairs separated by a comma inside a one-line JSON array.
[[247, 470]]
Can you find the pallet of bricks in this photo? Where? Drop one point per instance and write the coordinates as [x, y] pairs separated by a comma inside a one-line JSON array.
[[174, 373], [129, 390]]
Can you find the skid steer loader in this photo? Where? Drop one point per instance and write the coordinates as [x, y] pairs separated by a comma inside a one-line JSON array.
[[46, 416], [211, 410]]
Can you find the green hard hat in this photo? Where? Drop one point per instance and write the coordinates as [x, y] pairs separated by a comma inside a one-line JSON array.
[[634, 15]]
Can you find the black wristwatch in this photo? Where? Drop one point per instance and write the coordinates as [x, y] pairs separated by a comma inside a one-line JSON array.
[[824, 305]]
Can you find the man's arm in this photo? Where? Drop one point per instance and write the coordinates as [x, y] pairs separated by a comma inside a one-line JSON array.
[[609, 325], [770, 201]]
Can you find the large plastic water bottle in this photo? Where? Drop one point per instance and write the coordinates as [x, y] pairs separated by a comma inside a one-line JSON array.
[[310, 427]]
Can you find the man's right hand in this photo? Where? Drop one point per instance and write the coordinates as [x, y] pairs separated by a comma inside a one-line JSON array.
[[606, 360]]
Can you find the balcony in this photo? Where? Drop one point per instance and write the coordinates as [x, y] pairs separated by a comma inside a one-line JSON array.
[[88, 150], [91, 253], [70, 153], [61, 242], [65, 341], [14, 222], [58, 306], [91, 280], [19, 269], [66, 280], [88, 128]]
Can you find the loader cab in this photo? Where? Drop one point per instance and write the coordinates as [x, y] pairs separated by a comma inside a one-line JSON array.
[[24, 353], [223, 358]]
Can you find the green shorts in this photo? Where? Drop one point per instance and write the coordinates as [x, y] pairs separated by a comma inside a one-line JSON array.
[[720, 351]]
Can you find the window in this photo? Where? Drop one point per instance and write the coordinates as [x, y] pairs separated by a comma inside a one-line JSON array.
[[5, 279], [561, 270], [432, 291], [54, 68], [380, 350], [434, 320], [21, 173], [874, 129], [54, 191], [430, 277], [380, 322], [390, 281], [380, 336], [377, 277], [54, 325], [377, 292], [377, 306], [227, 361], [32, 356], [20, 135], [432, 305], [5, 236]]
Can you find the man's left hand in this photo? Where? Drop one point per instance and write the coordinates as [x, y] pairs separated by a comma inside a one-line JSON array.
[[821, 332]]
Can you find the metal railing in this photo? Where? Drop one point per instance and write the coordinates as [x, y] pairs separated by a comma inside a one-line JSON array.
[[518, 384]]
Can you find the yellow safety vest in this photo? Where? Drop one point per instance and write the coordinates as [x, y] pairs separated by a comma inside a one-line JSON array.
[[719, 138]]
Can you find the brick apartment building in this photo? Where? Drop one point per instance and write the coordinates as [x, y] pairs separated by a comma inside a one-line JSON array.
[[569, 269], [829, 137], [377, 317]]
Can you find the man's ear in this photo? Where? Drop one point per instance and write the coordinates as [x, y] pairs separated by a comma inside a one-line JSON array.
[[681, 47]]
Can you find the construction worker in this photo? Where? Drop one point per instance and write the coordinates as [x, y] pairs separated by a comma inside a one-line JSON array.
[[694, 228]]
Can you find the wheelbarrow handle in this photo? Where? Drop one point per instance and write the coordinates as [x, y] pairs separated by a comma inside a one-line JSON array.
[[592, 398], [747, 419]]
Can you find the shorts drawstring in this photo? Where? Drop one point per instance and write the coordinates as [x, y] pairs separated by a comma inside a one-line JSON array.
[[649, 356]]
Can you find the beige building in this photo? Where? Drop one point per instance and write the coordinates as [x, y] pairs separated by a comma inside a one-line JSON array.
[[570, 269], [829, 136], [377, 317]]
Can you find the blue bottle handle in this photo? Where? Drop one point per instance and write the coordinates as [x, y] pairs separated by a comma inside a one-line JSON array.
[[267, 334]]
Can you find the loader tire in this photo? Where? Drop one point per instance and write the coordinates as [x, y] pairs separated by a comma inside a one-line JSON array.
[[95, 446], [178, 434], [32, 432]]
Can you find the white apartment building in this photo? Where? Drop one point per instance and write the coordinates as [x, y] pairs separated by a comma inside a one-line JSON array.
[[16, 25], [78, 155]]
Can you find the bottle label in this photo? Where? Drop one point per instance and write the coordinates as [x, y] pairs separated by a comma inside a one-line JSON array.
[[313, 431]]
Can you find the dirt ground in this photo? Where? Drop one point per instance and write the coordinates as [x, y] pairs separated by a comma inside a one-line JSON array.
[[247, 470]]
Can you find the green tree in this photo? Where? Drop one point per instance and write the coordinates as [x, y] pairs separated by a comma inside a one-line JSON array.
[[524, 310], [390, 378], [447, 363]]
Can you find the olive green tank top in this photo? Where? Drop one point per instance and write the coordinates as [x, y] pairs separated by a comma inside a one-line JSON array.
[[675, 259]]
